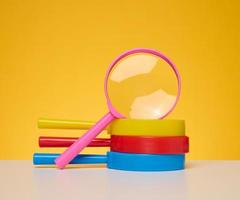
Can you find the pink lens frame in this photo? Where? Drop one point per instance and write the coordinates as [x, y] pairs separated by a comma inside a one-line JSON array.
[[133, 51]]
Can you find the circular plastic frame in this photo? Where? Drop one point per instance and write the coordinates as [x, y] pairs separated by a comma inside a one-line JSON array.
[[145, 162], [138, 127], [150, 145], [133, 51]]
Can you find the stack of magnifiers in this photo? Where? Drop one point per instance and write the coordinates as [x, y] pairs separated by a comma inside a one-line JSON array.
[[142, 86], [135, 145]]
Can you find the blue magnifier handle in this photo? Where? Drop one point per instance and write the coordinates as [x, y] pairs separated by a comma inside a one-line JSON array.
[[48, 159]]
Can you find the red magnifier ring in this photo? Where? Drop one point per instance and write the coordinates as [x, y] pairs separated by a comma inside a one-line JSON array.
[[150, 145]]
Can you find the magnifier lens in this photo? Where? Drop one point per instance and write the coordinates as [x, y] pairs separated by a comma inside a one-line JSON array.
[[142, 86]]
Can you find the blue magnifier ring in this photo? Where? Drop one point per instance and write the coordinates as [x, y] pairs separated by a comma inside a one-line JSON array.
[[145, 162]]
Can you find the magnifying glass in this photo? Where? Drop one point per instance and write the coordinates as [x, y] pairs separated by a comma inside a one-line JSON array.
[[121, 161], [127, 144], [139, 84], [130, 127]]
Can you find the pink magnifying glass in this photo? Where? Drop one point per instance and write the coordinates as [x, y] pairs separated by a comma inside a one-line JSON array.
[[139, 84]]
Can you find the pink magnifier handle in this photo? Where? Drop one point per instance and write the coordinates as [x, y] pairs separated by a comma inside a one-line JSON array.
[[82, 142]]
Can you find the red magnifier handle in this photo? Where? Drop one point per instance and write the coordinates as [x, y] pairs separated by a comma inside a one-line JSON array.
[[68, 141]]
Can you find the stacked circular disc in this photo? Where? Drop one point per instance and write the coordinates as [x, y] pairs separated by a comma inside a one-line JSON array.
[[135, 145], [147, 145]]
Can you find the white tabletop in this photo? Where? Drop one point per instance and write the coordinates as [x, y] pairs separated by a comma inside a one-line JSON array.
[[200, 180]]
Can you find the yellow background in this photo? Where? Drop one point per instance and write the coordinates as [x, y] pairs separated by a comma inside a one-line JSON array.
[[54, 54]]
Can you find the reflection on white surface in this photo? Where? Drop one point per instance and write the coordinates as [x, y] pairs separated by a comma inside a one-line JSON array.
[[152, 106], [132, 66], [106, 184], [146, 185]]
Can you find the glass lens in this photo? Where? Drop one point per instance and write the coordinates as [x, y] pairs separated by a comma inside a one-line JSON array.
[[142, 86]]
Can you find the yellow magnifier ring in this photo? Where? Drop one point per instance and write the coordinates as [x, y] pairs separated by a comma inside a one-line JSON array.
[[139, 127]]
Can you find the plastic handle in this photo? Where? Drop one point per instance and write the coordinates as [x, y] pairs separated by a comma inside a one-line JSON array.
[[64, 124], [48, 159], [68, 141], [68, 155]]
